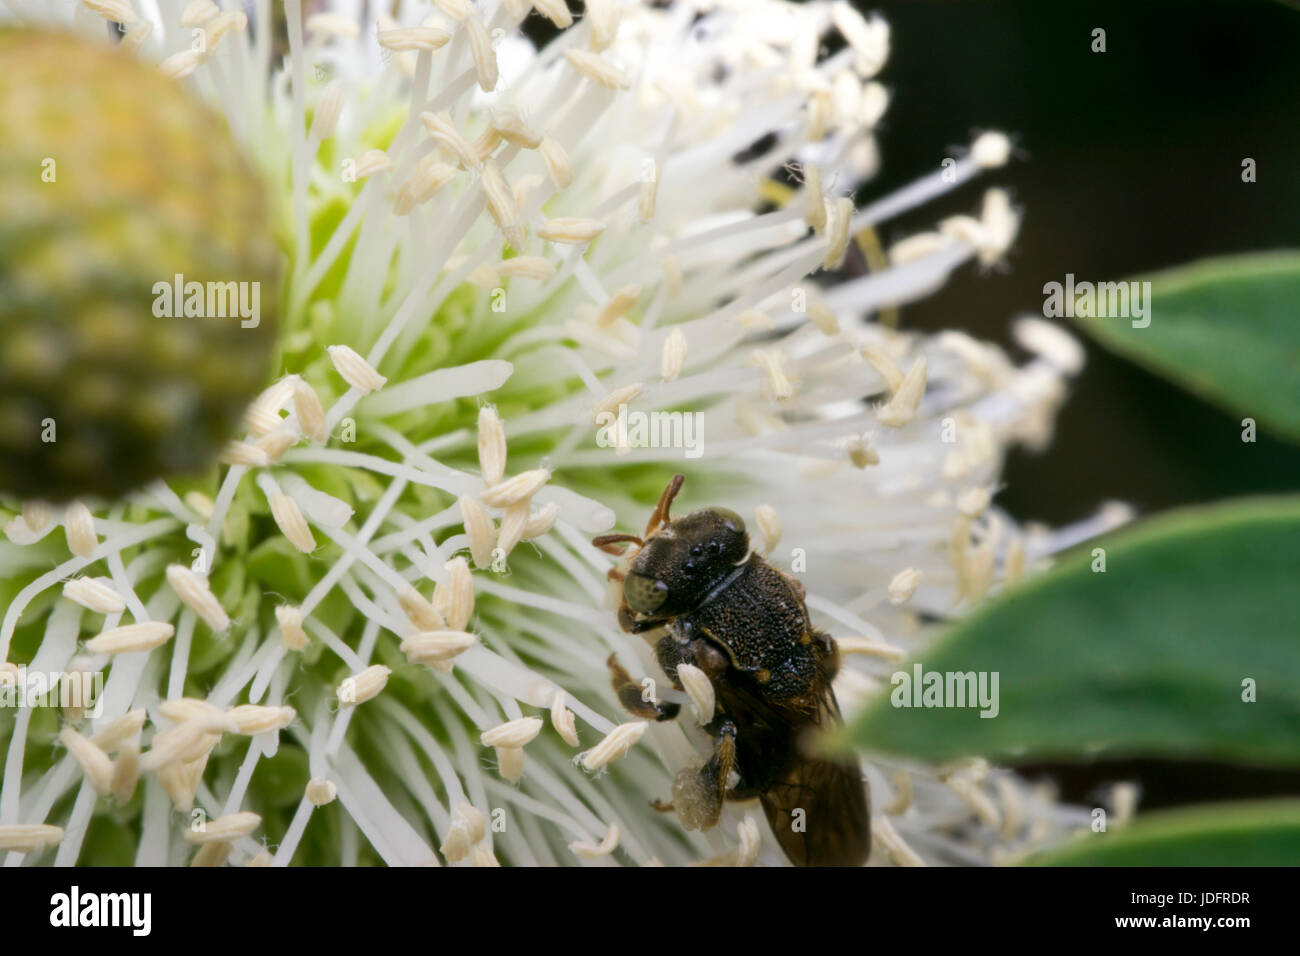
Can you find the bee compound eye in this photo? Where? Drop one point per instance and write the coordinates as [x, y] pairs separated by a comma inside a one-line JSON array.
[[644, 594]]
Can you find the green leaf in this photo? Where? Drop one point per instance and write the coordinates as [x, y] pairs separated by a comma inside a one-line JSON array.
[[1258, 833], [1225, 329], [1148, 657]]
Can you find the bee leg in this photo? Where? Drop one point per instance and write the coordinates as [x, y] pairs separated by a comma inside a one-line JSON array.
[[698, 794], [628, 622], [632, 695]]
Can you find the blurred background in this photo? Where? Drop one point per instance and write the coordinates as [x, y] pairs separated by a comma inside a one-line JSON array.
[[1129, 161]]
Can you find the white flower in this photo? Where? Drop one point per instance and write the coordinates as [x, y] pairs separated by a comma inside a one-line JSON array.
[[558, 233]]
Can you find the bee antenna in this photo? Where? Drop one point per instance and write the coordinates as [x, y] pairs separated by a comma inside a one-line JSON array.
[[660, 516], [609, 543]]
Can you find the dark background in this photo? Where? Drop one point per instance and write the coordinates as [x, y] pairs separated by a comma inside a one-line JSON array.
[[1129, 161]]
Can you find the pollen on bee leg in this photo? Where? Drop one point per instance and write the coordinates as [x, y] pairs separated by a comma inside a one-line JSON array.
[[883, 832], [79, 527], [197, 595], [700, 689], [614, 745], [592, 851], [290, 620], [900, 409], [902, 798], [479, 529], [778, 384], [903, 585]]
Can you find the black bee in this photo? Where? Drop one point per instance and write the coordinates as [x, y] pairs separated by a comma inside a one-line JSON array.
[[744, 623]]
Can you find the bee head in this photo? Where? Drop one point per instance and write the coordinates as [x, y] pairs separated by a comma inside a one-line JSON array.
[[684, 560]]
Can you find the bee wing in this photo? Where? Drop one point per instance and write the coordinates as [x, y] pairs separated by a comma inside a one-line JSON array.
[[818, 809]]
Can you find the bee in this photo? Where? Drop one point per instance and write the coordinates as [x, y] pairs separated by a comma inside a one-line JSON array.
[[744, 623]]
